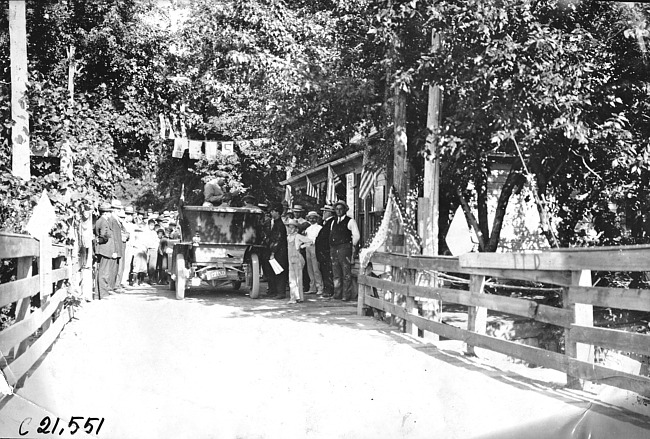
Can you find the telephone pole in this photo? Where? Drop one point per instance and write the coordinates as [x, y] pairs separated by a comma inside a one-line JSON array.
[[19, 115]]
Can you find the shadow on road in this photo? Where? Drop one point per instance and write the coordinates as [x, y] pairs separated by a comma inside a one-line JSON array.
[[335, 312]]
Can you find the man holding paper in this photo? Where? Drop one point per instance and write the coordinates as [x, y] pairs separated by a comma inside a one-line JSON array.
[[276, 266]]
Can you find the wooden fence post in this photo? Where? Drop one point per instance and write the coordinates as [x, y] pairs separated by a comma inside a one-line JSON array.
[[583, 315], [23, 270], [476, 315], [410, 303], [362, 291], [45, 270]]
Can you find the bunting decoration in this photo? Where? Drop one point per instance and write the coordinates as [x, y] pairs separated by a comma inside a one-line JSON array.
[[180, 145], [394, 222], [332, 181], [311, 190], [163, 126], [227, 148], [195, 149], [288, 196], [209, 149]]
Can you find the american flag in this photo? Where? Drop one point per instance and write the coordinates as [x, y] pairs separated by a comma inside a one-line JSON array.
[[288, 196], [311, 190], [367, 184], [332, 181]]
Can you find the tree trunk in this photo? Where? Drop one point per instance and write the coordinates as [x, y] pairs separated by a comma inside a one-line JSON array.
[[514, 181]]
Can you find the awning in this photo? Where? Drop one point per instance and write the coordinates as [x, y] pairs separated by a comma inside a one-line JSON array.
[[350, 163]]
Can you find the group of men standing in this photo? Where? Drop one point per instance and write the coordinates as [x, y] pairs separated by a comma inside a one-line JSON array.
[[128, 248], [329, 262]]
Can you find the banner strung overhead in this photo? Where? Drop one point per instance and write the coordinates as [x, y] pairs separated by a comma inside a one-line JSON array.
[[211, 149]]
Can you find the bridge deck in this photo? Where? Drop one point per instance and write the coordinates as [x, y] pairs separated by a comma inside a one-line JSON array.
[[222, 365]]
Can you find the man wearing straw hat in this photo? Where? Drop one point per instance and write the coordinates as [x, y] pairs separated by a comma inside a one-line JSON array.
[[344, 236], [107, 250], [316, 280]]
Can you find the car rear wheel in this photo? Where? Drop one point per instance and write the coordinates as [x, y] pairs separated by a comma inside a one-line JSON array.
[[253, 281]]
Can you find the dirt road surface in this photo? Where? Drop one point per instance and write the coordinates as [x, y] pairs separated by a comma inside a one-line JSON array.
[[220, 365]]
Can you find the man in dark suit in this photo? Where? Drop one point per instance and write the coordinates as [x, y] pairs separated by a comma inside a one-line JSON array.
[[344, 236], [275, 241], [120, 245], [323, 251], [107, 252]]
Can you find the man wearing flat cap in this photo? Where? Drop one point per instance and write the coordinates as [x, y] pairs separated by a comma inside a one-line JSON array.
[[107, 251], [344, 236]]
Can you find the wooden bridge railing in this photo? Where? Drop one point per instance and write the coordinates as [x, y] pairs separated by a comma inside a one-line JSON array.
[[40, 271], [568, 268]]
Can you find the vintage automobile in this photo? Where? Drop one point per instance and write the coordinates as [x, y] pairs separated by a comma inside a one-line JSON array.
[[219, 245]]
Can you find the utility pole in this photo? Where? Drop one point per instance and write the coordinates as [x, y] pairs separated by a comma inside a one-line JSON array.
[[432, 167], [430, 203], [19, 115]]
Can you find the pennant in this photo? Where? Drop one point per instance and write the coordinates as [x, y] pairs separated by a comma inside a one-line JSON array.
[[227, 148], [311, 190], [288, 196], [180, 145], [244, 144], [195, 149], [172, 134], [163, 127], [211, 150], [332, 181]]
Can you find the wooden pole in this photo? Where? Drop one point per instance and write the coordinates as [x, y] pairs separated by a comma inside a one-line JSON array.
[[476, 315], [400, 161], [19, 115], [432, 167], [432, 309], [583, 314]]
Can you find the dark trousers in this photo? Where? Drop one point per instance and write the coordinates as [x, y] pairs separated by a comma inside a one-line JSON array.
[[121, 265], [305, 272], [328, 280], [152, 258], [277, 282], [161, 267], [112, 282], [342, 270], [106, 273]]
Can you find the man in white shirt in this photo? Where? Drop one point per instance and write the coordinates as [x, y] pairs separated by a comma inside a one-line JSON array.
[[344, 236], [316, 280]]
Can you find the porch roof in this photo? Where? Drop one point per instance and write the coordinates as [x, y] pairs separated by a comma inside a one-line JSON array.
[[318, 174]]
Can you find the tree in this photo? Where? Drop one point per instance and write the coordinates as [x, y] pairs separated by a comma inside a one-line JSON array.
[[110, 124], [544, 84]]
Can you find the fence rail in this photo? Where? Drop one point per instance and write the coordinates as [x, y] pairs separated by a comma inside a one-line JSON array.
[[40, 271], [398, 294]]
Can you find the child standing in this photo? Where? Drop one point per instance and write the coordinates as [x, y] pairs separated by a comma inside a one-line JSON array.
[[295, 242]]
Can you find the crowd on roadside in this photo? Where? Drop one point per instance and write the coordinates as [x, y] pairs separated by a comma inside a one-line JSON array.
[[132, 247], [302, 254], [310, 254]]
